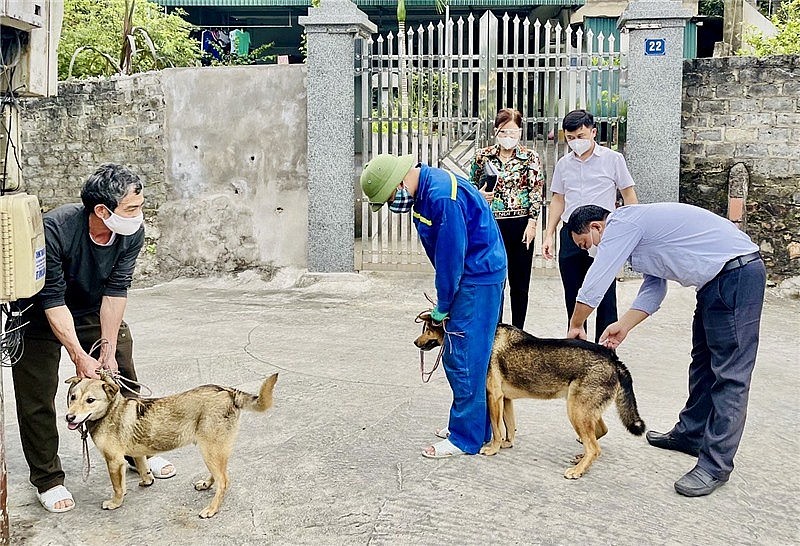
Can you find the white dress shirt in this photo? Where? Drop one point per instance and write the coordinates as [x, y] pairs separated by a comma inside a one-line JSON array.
[[594, 181]]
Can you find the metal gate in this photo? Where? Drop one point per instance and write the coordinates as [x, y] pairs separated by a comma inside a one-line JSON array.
[[456, 76]]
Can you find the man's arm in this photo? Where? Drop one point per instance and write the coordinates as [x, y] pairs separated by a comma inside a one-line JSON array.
[[112, 309], [579, 316], [555, 211], [63, 327], [451, 250], [629, 196], [615, 332]]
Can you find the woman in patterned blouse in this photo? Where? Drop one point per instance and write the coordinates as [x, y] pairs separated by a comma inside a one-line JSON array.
[[515, 202]]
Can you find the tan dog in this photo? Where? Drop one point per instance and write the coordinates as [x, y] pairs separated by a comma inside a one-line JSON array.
[[141, 427], [588, 375]]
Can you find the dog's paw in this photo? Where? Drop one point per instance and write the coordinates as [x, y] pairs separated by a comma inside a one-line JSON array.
[[202, 485], [576, 459], [147, 481], [489, 450], [207, 512], [505, 444], [111, 505], [572, 473]]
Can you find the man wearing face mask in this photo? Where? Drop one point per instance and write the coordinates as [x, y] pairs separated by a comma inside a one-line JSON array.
[[588, 175], [684, 243], [91, 251], [462, 240]]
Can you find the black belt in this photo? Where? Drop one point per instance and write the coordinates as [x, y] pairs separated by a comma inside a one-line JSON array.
[[740, 261]]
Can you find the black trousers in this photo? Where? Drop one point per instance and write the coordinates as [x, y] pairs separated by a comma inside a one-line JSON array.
[[573, 263], [520, 260], [35, 385]]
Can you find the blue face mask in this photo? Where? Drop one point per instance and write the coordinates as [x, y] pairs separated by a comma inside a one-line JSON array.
[[402, 202]]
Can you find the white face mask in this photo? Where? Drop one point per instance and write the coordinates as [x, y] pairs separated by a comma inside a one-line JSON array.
[[592, 250], [122, 225], [580, 145], [507, 143]]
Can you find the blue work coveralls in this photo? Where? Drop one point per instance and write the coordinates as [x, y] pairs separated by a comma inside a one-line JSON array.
[[462, 240]]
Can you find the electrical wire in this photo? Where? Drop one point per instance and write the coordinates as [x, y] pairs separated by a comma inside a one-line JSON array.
[[12, 343]]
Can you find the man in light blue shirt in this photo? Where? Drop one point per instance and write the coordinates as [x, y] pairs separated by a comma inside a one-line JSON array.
[[695, 247]]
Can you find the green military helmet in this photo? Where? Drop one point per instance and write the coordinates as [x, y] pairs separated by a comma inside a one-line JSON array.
[[382, 175]]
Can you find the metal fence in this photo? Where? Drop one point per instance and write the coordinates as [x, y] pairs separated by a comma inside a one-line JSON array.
[[435, 95]]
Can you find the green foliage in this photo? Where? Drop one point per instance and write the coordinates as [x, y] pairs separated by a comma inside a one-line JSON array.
[[786, 42], [427, 90], [259, 55], [711, 7], [102, 30]]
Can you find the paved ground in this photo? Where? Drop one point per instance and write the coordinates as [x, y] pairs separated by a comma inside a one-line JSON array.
[[337, 460]]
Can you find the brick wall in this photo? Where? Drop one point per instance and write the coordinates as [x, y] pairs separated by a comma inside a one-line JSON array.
[[118, 120], [746, 110]]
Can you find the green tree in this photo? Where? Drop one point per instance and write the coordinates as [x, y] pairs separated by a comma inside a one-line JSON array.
[[786, 42], [122, 36]]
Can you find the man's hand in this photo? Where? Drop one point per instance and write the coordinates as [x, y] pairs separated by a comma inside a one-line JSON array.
[[613, 335], [547, 247], [437, 316], [86, 366], [576, 333], [488, 195], [530, 234]]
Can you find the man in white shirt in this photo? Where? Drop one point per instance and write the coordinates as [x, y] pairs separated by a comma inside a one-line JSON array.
[[679, 242], [588, 175]]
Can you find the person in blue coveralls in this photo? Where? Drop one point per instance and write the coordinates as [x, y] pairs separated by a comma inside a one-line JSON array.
[[462, 240], [679, 242]]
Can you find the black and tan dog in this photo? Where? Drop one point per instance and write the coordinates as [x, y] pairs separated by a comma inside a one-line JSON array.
[[589, 376], [141, 427]]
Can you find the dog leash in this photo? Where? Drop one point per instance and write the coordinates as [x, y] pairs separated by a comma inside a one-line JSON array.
[[121, 381], [426, 376], [87, 463]]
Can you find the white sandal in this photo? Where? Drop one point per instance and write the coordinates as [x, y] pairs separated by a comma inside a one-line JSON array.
[[156, 465], [443, 433], [53, 495], [443, 450]]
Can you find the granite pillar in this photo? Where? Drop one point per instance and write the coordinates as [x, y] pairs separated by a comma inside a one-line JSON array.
[[655, 78], [331, 30]]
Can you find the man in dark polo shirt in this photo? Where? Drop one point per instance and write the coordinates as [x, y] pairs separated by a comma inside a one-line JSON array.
[[91, 252]]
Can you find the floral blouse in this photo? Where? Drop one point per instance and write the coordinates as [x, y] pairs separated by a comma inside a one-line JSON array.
[[519, 184]]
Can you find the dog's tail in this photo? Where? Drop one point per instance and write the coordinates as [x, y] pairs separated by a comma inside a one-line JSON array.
[[251, 402], [626, 401]]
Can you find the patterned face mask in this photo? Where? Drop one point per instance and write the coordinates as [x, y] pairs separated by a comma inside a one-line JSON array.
[[402, 202]]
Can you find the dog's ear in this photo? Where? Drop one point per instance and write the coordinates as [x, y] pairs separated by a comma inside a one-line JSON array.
[[111, 389], [73, 381], [425, 316]]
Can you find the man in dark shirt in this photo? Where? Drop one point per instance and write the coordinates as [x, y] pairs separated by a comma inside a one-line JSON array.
[[91, 252]]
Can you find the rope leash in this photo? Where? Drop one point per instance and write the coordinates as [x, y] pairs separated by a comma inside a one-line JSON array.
[[426, 376], [123, 383]]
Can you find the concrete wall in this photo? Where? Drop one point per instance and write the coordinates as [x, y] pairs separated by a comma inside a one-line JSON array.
[[747, 110], [221, 150]]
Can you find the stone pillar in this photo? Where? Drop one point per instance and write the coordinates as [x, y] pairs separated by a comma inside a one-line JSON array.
[[655, 79], [331, 30]]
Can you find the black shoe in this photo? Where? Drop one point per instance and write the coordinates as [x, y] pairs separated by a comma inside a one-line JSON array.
[[697, 483], [667, 441]]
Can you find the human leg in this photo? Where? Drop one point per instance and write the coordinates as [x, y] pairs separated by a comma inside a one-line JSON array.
[[35, 379], [520, 260], [466, 360], [573, 263], [606, 311], [732, 329]]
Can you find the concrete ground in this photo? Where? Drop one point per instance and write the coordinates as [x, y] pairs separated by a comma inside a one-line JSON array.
[[337, 460]]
